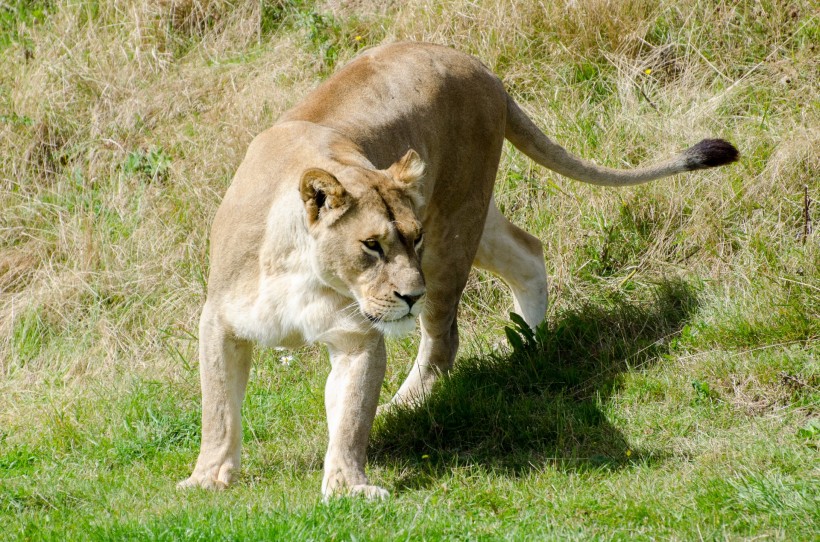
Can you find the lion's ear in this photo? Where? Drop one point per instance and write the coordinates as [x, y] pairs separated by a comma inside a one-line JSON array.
[[409, 169], [320, 191]]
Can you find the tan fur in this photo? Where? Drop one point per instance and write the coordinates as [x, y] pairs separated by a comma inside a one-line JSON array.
[[369, 198]]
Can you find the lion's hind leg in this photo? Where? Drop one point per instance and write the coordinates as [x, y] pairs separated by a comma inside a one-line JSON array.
[[518, 258], [224, 364]]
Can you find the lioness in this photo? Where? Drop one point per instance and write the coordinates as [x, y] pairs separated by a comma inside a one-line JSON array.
[[361, 209]]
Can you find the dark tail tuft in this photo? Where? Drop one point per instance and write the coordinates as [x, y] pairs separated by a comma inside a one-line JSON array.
[[710, 153]]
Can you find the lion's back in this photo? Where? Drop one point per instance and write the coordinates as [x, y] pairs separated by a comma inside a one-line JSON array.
[[407, 95]]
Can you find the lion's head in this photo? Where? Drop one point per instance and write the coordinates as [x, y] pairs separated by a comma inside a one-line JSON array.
[[369, 239]]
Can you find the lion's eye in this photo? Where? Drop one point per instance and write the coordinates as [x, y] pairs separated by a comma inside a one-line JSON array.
[[373, 246], [418, 242]]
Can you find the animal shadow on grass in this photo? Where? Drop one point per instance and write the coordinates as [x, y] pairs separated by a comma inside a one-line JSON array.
[[539, 404]]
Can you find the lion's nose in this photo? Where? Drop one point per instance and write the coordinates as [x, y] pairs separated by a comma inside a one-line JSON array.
[[409, 299]]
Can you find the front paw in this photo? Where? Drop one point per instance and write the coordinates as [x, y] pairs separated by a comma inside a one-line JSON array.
[[203, 482], [214, 478], [371, 493]]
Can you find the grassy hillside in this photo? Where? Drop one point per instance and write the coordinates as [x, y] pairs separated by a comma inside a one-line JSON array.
[[673, 393]]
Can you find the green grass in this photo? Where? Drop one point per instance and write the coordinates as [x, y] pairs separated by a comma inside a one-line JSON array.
[[673, 393]]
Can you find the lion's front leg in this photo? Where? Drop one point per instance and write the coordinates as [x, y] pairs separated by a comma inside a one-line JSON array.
[[224, 364], [351, 397]]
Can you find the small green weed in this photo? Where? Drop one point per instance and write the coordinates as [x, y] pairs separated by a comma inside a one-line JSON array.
[[810, 431], [152, 164], [14, 119], [323, 33], [704, 392], [16, 15]]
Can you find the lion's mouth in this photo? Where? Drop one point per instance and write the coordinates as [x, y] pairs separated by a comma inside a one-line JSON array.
[[382, 320]]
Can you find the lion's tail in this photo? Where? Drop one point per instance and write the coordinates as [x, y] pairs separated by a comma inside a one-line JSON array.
[[526, 136]]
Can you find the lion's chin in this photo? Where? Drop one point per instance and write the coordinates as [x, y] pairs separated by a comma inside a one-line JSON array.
[[397, 328]]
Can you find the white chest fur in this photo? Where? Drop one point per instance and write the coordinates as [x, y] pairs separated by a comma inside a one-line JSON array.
[[291, 306], [292, 310]]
